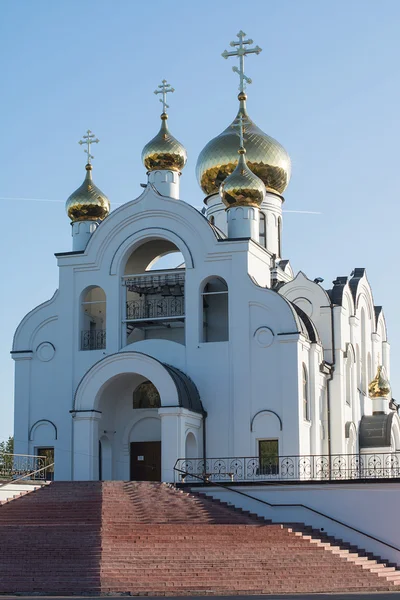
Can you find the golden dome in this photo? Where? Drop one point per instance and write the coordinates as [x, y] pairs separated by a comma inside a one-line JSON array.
[[164, 151], [265, 156], [379, 386], [87, 203], [242, 187]]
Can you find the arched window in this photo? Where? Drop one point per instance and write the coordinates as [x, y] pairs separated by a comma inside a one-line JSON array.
[[279, 237], [215, 311], [146, 396], [93, 319], [349, 380], [363, 357], [306, 404], [263, 230], [370, 375]]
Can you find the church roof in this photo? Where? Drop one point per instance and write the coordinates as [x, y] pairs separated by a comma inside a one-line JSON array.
[[376, 430], [188, 394], [308, 327], [358, 274]]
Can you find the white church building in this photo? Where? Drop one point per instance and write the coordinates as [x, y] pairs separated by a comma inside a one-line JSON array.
[[228, 357]]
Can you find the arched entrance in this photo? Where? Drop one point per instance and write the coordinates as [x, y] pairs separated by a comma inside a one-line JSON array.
[[145, 437], [129, 418]]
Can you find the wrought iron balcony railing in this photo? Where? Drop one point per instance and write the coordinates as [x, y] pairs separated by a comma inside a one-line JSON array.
[[155, 308], [93, 339], [289, 468], [17, 466]]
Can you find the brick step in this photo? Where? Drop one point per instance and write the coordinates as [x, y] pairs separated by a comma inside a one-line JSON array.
[[149, 538]]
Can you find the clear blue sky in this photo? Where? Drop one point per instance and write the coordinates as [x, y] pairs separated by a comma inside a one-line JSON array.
[[326, 86]]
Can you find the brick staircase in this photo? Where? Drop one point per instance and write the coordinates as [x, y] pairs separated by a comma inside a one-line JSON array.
[[150, 538]]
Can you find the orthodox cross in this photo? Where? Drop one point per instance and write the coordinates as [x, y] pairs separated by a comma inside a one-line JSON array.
[[165, 89], [89, 139], [241, 52]]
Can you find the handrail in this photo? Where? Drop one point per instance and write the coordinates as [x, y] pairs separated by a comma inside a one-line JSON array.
[[27, 475], [274, 468], [279, 505]]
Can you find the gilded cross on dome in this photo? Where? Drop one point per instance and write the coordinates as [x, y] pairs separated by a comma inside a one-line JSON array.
[[241, 131], [241, 52], [89, 139], [165, 89]]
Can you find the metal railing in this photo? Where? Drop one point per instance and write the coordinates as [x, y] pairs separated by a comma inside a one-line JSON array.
[[290, 468], [22, 466], [155, 308], [93, 339]]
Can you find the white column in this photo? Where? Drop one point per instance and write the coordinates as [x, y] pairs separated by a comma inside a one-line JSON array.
[[172, 440], [243, 222], [86, 445], [81, 233], [165, 182]]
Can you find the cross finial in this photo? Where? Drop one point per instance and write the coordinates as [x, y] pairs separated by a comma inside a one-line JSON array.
[[241, 52], [164, 89], [89, 139]]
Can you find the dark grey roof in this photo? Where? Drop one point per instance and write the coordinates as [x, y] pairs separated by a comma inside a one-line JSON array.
[[336, 293], [376, 431], [355, 280], [312, 332], [378, 310], [283, 264], [188, 394]]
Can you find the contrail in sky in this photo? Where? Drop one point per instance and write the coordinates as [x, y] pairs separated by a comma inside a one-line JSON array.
[[302, 212]]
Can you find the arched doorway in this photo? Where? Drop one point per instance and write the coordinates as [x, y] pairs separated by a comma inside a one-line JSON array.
[[145, 436], [130, 397]]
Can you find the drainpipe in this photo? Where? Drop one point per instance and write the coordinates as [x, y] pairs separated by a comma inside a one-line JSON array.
[[204, 439], [328, 387]]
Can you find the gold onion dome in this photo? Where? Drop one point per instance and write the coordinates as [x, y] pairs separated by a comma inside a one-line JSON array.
[[242, 187], [164, 152], [87, 203], [379, 386], [265, 156]]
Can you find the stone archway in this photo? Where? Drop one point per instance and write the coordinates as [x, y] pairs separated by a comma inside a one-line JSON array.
[[103, 406]]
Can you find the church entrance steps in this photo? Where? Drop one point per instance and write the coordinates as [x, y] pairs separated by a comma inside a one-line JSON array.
[[151, 539], [12, 490]]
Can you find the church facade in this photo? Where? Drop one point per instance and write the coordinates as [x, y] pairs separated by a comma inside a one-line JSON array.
[[130, 367]]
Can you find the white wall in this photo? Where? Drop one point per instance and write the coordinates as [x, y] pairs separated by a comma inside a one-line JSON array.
[[352, 504]]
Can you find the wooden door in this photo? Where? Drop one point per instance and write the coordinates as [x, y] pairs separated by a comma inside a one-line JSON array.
[[146, 461]]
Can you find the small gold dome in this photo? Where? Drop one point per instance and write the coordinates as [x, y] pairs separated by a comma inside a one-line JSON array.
[[379, 386], [164, 152], [242, 187], [265, 156], [87, 203]]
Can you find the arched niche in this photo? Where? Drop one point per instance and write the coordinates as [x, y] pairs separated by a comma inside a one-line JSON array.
[[43, 431], [191, 446]]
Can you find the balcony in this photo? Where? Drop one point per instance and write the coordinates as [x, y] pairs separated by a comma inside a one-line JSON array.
[[93, 339], [382, 466], [155, 301]]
